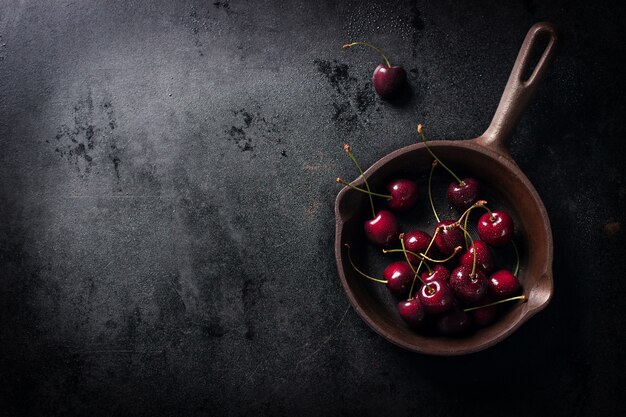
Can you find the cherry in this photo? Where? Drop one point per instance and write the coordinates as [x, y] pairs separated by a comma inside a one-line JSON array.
[[438, 272], [454, 322], [503, 284], [468, 286], [412, 312], [484, 257], [495, 228], [436, 297], [388, 80], [403, 193], [382, 229], [399, 277], [448, 236], [416, 241], [484, 316], [463, 194]]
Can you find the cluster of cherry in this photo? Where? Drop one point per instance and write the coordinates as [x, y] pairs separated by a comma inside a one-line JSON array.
[[459, 288]]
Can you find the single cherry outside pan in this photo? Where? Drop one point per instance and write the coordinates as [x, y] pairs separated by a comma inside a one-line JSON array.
[[487, 159]]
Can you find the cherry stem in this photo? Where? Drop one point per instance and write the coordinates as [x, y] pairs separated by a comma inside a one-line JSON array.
[[464, 235], [432, 240], [382, 281], [420, 130], [344, 182], [417, 255], [424, 256], [406, 254], [369, 45], [490, 212], [441, 261], [346, 148], [471, 240], [479, 203], [430, 193], [519, 297], [516, 258]]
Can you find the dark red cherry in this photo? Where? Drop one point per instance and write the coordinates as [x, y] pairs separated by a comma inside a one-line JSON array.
[[495, 228], [454, 322], [399, 277], [436, 297], [416, 241], [503, 284], [412, 312], [486, 315], [388, 81], [484, 257], [449, 237], [403, 193], [382, 229], [464, 194], [439, 272], [466, 286]]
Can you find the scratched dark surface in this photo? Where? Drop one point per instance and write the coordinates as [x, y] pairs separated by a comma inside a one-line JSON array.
[[166, 205]]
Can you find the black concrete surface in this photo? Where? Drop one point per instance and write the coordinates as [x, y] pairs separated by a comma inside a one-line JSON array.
[[166, 205]]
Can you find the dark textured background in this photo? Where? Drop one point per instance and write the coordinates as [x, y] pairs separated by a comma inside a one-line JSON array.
[[166, 205]]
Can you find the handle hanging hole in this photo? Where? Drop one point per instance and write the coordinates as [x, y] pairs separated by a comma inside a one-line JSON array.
[[537, 50]]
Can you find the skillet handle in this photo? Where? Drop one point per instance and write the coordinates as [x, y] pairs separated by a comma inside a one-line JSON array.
[[519, 91]]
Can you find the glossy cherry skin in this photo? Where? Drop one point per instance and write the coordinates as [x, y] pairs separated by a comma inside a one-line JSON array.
[[388, 81], [436, 297], [399, 277], [503, 284], [403, 193], [382, 229], [412, 312], [467, 287], [416, 241], [495, 228], [448, 238], [463, 195], [484, 257], [455, 322], [439, 272]]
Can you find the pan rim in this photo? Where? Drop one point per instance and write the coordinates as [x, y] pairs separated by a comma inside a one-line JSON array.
[[441, 349]]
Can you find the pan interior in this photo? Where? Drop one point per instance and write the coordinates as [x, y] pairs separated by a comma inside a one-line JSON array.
[[502, 185]]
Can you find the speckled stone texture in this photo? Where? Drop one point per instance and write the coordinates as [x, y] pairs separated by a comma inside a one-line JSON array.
[[166, 202]]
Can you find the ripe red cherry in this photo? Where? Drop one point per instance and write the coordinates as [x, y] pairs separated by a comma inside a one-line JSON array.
[[454, 322], [399, 277], [484, 257], [495, 228], [503, 284], [416, 241], [412, 312], [388, 81], [436, 297], [466, 286], [382, 229], [439, 273], [403, 193], [449, 237], [464, 194]]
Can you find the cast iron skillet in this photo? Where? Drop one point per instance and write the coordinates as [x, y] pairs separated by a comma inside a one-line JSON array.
[[486, 158]]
